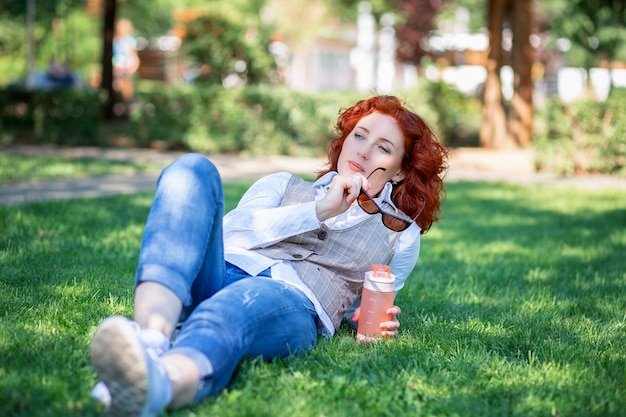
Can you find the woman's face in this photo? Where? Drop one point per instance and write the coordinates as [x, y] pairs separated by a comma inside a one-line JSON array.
[[375, 142]]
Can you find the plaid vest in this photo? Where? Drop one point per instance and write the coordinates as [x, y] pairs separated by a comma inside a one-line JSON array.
[[333, 263]]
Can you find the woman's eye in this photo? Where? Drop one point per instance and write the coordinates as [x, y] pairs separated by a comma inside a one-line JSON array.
[[384, 149], [359, 136]]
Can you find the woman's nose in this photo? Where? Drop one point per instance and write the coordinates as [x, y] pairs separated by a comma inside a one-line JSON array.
[[364, 152]]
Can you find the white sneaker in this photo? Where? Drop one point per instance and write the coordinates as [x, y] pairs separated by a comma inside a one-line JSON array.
[[134, 376], [152, 340]]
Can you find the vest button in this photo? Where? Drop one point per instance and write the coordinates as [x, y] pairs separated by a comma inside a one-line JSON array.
[[297, 256], [322, 235]]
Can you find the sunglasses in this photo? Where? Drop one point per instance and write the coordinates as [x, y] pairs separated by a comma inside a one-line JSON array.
[[396, 221]]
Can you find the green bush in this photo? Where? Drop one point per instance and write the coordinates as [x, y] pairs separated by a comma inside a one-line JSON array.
[[456, 117], [58, 117], [268, 119], [219, 41], [583, 137], [259, 120], [161, 116]]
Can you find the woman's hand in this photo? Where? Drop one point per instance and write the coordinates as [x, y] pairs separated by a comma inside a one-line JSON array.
[[342, 193], [390, 328], [387, 328]]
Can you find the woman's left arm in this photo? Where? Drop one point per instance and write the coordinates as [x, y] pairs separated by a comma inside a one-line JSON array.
[[406, 255]]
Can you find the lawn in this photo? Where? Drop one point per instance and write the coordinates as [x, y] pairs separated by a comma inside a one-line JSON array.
[[516, 308], [23, 167]]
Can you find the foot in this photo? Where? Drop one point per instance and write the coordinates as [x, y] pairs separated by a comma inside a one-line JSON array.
[[136, 380], [155, 342]]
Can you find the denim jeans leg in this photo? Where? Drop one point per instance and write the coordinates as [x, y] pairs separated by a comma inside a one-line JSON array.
[[182, 246], [253, 317]]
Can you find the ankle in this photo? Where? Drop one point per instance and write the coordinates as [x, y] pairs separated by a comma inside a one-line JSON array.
[[159, 323], [157, 308], [155, 340], [185, 378]]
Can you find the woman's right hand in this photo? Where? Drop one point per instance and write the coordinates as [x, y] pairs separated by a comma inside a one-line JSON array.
[[342, 193]]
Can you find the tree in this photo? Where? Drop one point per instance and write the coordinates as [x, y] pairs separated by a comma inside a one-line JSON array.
[[40, 19], [108, 30], [150, 19], [493, 132], [498, 130], [415, 28], [593, 30], [520, 119], [225, 47], [416, 19], [299, 20]]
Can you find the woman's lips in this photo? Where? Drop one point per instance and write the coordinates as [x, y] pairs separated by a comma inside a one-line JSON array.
[[355, 167]]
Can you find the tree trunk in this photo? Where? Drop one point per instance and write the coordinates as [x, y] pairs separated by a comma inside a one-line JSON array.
[[30, 42], [110, 9], [521, 113], [493, 132]]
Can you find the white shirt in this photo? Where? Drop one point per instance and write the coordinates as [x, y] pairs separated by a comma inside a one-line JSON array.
[[259, 221]]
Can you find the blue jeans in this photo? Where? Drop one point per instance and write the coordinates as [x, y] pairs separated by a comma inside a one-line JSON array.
[[228, 315]]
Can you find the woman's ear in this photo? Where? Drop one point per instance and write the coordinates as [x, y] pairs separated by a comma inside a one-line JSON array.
[[398, 177]]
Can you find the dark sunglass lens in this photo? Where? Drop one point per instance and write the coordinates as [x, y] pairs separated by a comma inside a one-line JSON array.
[[367, 204], [395, 223]]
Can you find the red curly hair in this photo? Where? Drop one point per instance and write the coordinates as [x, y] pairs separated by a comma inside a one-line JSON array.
[[424, 161]]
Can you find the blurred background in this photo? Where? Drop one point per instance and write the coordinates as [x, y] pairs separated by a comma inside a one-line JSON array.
[[267, 77]]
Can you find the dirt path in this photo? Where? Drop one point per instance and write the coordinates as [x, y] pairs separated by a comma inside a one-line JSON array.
[[467, 164]]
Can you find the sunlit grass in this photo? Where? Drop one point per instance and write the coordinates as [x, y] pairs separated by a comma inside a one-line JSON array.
[[516, 308], [21, 167]]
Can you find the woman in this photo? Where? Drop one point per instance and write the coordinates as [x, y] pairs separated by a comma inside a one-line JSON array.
[[276, 271], [125, 59]]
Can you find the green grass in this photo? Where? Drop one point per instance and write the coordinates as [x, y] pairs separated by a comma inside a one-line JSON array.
[[20, 168], [516, 308]]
